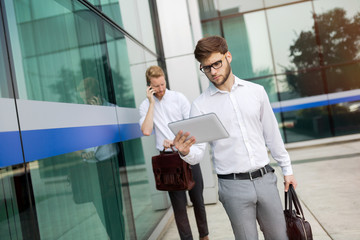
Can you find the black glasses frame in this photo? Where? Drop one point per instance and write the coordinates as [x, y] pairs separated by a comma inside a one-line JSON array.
[[207, 69]]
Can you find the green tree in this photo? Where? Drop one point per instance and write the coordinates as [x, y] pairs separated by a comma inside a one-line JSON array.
[[333, 41]]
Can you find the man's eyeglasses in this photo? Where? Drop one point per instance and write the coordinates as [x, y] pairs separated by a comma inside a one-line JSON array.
[[215, 65]]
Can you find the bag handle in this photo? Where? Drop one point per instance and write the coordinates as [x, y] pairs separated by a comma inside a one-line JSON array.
[[163, 151], [297, 203], [293, 199], [288, 199]]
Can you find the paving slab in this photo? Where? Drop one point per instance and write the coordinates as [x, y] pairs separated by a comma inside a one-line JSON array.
[[328, 178]]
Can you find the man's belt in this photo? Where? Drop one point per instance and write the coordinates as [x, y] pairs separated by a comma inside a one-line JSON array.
[[248, 175]]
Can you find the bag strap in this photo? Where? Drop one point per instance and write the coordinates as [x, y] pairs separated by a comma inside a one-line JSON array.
[[288, 199], [296, 202]]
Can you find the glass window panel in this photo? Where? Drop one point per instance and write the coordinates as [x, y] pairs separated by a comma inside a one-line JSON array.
[[211, 8], [248, 42], [346, 117], [132, 16], [5, 85], [10, 150], [227, 7], [84, 192], [301, 84], [112, 9], [120, 68], [306, 124], [207, 9], [74, 56], [212, 28], [145, 215], [293, 41], [60, 50], [342, 78], [40, 9], [235, 33], [339, 24], [271, 3], [10, 221]]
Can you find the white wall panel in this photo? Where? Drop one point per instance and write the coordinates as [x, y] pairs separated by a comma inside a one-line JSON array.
[[175, 27], [183, 77]]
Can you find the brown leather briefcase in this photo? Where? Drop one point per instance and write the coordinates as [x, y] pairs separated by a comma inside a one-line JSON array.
[[171, 172]]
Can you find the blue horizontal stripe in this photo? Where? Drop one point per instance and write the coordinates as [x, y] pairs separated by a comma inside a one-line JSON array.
[[44, 143], [345, 99], [316, 104], [130, 131], [10, 149], [39, 144]]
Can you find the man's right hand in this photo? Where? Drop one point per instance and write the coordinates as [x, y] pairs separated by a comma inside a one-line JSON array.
[[183, 145], [150, 93]]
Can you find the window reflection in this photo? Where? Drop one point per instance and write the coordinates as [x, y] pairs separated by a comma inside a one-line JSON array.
[[346, 117], [83, 191], [212, 28], [339, 33], [207, 9], [314, 47], [10, 220], [284, 34], [306, 124], [247, 34], [228, 7], [69, 54], [142, 201], [271, 3], [300, 84], [342, 78], [5, 90], [214, 8]]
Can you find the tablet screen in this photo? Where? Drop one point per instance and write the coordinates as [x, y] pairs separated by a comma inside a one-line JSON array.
[[204, 128]]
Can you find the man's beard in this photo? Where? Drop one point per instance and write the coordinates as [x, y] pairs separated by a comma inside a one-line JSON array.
[[226, 77]]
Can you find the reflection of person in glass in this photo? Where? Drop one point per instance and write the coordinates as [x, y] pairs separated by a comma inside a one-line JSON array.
[[161, 107], [247, 183], [103, 169]]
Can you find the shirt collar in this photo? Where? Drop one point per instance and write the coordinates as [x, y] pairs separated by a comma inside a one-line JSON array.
[[237, 82]]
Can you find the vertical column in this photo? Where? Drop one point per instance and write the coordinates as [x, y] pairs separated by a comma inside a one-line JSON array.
[[180, 31]]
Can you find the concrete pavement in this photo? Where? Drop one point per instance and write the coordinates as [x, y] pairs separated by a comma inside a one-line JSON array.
[[328, 175]]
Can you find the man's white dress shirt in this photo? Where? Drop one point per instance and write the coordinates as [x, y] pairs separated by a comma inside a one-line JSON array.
[[173, 106], [247, 115]]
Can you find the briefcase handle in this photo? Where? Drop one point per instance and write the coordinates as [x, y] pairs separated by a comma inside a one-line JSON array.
[[172, 148]]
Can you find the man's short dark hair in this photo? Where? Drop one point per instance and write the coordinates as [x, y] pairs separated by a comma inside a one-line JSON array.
[[208, 45]]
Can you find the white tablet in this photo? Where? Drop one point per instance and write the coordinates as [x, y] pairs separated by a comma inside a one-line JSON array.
[[204, 128]]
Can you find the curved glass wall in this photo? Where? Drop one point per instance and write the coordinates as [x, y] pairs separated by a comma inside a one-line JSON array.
[[81, 169], [306, 55]]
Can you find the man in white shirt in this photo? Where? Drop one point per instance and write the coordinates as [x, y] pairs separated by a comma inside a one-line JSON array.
[[247, 183], [161, 107]]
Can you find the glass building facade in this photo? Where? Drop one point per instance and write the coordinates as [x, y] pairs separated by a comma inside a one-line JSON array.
[[305, 53], [73, 162]]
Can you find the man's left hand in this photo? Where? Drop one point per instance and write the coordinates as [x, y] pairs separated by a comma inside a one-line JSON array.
[[290, 179]]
